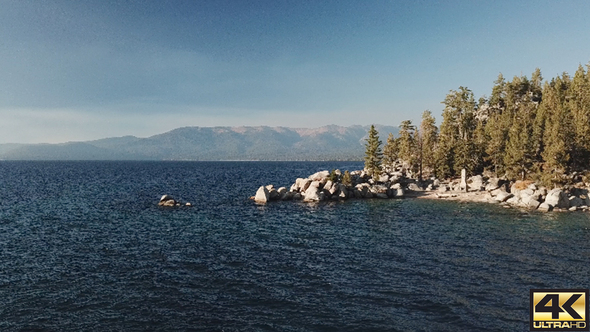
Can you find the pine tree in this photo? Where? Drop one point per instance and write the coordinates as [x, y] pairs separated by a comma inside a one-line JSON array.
[[523, 96], [407, 145], [428, 135], [456, 134], [444, 156], [481, 141], [579, 103], [559, 132], [496, 131], [390, 153], [373, 154]]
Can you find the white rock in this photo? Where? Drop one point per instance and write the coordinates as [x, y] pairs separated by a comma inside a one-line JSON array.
[[262, 195], [545, 207], [502, 196], [319, 176], [414, 187], [557, 198]]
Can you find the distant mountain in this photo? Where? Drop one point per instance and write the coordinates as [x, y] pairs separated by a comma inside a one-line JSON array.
[[212, 143]]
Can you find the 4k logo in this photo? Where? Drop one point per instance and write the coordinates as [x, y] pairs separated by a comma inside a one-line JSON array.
[[559, 310]]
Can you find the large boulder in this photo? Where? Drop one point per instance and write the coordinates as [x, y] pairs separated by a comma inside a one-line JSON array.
[[557, 198], [493, 184], [576, 201], [311, 194], [476, 183], [378, 189], [273, 194], [502, 196], [545, 207], [262, 195], [319, 176], [328, 185], [302, 184], [414, 187]]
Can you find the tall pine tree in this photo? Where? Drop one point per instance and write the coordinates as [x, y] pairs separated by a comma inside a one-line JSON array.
[[373, 153], [428, 135], [390, 152]]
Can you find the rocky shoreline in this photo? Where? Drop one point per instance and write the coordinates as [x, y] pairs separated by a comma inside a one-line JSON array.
[[335, 185]]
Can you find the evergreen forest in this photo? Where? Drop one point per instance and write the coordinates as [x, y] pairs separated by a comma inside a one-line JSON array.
[[527, 129]]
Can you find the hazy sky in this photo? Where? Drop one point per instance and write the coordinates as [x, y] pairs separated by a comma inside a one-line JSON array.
[[79, 70]]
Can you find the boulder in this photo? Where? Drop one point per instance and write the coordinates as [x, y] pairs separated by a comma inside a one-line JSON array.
[[399, 193], [357, 193], [319, 176], [282, 190], [343, 194], [381, 195], [383, 178], [443, 188], [576, 201], [328, 185], [363, 188], [262, 195], [273, 194], [378, 189], [514, 200], [545, 207], [169, 203], [557, 198], [312, 193], [288, 195], [476, 183], [303, 184], [493, 184], [167, 200], [414, 187], [502, 196], [532, 203]]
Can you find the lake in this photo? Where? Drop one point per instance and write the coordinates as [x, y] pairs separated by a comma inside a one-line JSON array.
[[84, 247]]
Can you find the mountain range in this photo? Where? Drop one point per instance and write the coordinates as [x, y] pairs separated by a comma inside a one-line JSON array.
[[212, 144]]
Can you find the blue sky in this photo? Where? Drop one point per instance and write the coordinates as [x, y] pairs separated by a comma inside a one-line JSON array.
[[80, 70]]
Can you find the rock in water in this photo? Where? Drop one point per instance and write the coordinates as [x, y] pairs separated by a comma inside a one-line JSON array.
[[167, 200], [262, 195]]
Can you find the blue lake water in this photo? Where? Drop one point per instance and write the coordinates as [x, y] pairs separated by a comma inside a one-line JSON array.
[[84, 247]]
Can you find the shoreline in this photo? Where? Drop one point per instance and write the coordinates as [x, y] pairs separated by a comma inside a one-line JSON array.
[[335, 185]]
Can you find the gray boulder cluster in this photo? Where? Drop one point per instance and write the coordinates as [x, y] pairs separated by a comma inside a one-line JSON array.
[[529, 195], [323, 186], [168, 201], [525, 194]]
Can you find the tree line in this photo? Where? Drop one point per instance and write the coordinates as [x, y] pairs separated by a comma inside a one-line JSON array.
[[525, 129]]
